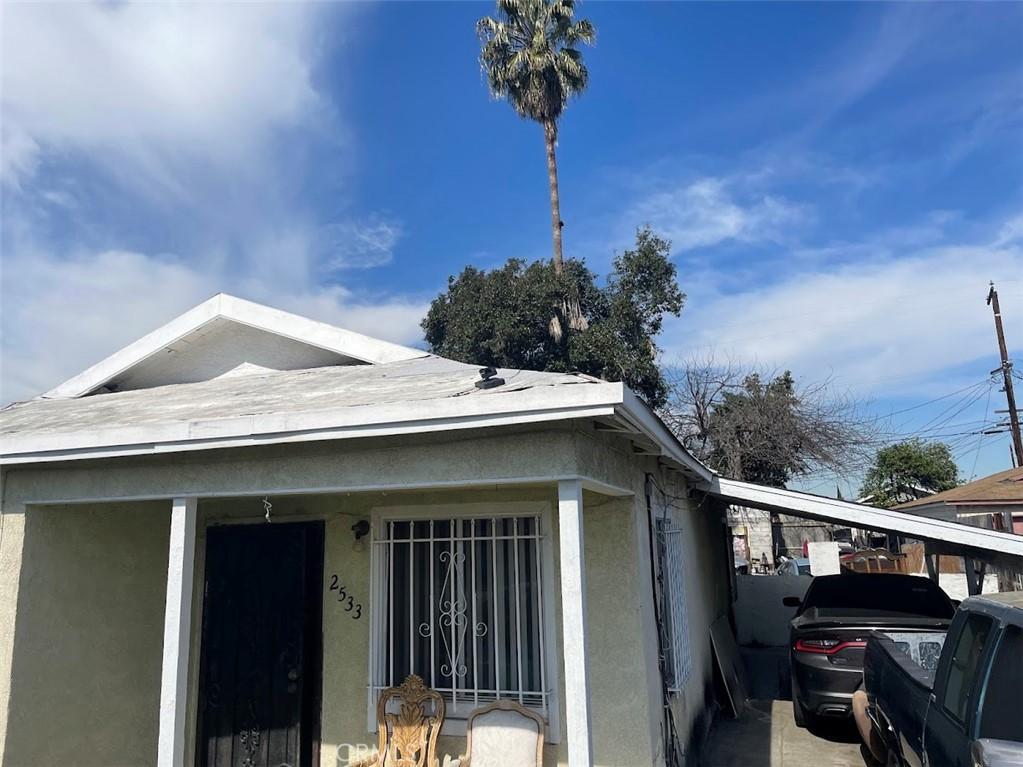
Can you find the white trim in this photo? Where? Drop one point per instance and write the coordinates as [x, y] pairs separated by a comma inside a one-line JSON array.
[[483, 482], [454, 725], [177, 633], [223, 306], [573, 617], [636, 410], [865, 517], [520, 407]]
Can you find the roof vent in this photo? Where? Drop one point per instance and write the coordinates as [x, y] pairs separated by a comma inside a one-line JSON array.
[[489, 379]]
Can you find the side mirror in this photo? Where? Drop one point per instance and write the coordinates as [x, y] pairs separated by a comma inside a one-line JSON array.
[[791, 601]]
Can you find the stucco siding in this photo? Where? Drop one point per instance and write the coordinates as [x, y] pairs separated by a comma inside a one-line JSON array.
[[88, 635], [307, 467], [707, 598], [617, 651], [333, 482]]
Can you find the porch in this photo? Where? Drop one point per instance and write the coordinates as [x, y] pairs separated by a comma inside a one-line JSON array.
[[109, 660]]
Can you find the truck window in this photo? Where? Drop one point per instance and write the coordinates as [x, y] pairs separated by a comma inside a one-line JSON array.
[[962, 671], [1002, 717]]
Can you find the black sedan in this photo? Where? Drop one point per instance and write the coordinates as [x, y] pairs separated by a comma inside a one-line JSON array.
[[829, 633]]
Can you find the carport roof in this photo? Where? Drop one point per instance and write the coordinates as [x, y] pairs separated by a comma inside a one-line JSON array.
[[972, 541]]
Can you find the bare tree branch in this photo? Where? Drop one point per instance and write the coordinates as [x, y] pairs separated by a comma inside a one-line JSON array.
[[761, 426]]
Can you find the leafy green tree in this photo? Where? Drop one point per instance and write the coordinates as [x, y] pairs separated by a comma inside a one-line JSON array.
[[501, 317], [531, 59], [909, 470]]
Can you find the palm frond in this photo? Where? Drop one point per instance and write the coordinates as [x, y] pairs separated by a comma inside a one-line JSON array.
[[529, 55]]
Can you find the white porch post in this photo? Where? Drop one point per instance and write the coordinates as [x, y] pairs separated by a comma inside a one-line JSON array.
[[177, 633], [573, 611]]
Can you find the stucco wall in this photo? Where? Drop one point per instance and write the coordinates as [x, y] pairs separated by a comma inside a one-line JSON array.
[[617, 657], [622, 662], [87, 638], [707, 598]]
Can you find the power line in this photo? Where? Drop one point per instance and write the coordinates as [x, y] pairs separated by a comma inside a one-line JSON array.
[[980, 440], [932, 401]]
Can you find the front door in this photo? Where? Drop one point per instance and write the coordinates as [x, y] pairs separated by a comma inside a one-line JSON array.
[[261, 646]]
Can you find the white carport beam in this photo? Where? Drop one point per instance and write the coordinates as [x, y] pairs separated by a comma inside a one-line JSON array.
[[177, 633], [573, 619], [949, 534]]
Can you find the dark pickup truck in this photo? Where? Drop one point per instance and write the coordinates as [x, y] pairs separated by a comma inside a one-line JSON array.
[[961, 706]]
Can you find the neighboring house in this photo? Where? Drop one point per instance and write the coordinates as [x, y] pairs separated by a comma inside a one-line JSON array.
[[245, 525], [994, 502], [226, 539]]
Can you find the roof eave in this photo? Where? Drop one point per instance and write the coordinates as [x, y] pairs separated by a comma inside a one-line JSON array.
[[521, 407]]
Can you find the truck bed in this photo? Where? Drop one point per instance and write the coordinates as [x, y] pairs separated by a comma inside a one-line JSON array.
[[898, 687]]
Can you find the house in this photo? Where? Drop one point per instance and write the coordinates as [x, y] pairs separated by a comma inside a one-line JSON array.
[[225, 540], [995, 502], [232, 534]]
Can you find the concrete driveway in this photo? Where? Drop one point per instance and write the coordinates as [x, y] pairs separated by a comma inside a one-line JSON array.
[[767, 736]]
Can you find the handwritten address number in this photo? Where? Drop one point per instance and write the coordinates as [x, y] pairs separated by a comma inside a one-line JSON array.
[[351, 606]]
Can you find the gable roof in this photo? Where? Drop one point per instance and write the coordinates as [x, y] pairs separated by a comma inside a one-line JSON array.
[[220, 334], [1001, 489], [197, 384]]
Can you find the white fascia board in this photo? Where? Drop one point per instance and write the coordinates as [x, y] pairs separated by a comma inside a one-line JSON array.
[[315, 333], [865, 517], [223, 306], [137, 351], [634, 409], [521, 407]]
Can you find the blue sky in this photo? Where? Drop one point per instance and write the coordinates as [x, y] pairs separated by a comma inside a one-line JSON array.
[[840, 180]]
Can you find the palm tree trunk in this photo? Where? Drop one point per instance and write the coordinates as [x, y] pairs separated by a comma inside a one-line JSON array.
[[569, 311], [550, 133]]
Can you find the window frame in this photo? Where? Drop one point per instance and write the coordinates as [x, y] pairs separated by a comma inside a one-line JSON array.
[[455, 720], [974, 685]]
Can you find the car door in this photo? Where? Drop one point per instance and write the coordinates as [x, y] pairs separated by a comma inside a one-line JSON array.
[[957, 683]]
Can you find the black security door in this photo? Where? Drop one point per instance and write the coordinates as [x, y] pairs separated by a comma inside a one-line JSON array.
[[261, 646]]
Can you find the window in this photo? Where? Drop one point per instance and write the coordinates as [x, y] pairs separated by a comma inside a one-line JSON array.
[[962, 672], [674, 629], [459, 601], [1003, 699]]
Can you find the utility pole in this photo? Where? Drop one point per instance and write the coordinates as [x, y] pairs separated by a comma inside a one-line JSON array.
[[1010, 397]]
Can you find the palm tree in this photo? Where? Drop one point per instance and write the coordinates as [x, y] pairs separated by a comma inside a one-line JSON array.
[[531, 59]]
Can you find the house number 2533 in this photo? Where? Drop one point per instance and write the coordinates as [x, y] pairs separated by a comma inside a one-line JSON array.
[[343, 597]]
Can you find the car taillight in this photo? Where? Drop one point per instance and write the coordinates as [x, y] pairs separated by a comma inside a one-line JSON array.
[[826, 646]]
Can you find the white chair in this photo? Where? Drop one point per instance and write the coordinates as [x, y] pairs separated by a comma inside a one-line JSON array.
[[503, 734]]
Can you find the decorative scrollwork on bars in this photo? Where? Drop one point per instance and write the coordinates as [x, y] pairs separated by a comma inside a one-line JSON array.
[[454, 624]]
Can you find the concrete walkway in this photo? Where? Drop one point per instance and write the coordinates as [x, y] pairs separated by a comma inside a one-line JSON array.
[[767, 736]]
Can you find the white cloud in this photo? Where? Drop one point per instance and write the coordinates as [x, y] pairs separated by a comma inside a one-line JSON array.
[[868, 321], [708, 212], [362, 244], [151, 85], [184, 110]]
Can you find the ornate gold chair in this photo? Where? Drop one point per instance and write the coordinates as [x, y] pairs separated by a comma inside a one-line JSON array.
[[503, 734], [409, 718]]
